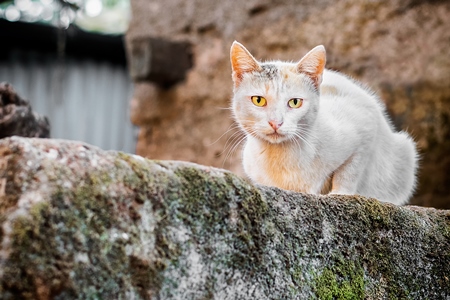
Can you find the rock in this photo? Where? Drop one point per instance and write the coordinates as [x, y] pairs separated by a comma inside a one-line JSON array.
[[159, 61], [81, 223], [17, 116], [398, 48]]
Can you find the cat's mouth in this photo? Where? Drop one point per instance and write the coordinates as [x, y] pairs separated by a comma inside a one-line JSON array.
[[275, 137], [274, 134]]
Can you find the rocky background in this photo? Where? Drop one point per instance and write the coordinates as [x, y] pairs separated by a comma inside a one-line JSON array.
[[17, 116], [398, 48], [77, 222]]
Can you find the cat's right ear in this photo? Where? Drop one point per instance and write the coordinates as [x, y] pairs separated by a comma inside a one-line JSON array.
[[241, 62], [313, 64]]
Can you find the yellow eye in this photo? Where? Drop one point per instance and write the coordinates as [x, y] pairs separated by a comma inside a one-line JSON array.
[[295, 102], [259, 101]]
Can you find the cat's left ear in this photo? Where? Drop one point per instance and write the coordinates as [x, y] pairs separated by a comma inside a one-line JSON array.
[[313, 64], [241, 62]]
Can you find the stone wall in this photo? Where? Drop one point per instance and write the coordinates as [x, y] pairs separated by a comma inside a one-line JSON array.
[[399, 48], [77, 222]]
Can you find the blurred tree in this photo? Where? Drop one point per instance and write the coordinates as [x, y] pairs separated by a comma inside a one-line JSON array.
[[106, 16]]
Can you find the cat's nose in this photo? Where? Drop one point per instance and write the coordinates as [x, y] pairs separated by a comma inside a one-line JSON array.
[[275, 124]]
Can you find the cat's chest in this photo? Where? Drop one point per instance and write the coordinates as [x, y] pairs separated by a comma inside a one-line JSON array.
[[281, 166]]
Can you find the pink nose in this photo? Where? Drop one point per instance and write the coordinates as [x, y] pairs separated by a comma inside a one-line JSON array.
[[275, 124]]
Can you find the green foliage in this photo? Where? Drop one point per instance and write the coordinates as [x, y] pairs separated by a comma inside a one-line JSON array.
[[6, 3], [112, 3]]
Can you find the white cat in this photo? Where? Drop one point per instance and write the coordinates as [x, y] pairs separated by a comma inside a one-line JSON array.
[[316, 131]]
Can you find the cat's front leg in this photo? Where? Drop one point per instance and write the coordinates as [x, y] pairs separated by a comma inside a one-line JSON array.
[[319, 186], [347, 177]]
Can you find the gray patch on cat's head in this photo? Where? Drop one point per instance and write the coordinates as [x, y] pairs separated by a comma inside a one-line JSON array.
[[269, 71]]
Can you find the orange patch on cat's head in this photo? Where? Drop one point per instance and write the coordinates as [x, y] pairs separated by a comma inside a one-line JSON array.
[[287, 71]]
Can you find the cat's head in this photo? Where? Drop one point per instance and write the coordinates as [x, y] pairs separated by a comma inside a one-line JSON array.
[[276, 101]]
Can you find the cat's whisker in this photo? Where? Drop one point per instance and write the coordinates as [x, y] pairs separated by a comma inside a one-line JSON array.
[[234, 148], [309, 136], [230, 145], [236, 137], [308, 143], [233, 126], [295, 141], [231, 140], [306, 135], [305, 141], [305, 131], [234, 140], [236, 143]]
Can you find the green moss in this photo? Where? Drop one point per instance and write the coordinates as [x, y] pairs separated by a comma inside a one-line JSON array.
[[86, 213], [251, 209], [221, 207], [376, 214], [343, 280], [281, 244]]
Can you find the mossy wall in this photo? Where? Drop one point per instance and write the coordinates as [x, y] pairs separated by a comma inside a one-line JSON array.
[[81, 223]]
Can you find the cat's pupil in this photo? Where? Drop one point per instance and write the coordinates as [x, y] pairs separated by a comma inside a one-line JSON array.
[[258, 100], [295, 101]]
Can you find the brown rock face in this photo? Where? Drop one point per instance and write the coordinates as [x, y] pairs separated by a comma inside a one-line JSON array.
[[398, 48]]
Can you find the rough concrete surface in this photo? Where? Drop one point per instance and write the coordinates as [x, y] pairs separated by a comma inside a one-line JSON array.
[[81, 223]]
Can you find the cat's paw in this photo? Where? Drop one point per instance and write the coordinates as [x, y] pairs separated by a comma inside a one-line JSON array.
[[340, 193]]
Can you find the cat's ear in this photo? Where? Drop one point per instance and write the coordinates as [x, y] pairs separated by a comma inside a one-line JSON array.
[[313, 64], [241, 62]]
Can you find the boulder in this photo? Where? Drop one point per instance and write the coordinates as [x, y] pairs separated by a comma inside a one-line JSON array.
[[17, 116], [77, 222]]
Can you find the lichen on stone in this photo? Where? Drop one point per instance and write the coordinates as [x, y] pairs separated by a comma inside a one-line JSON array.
[[125, 227]]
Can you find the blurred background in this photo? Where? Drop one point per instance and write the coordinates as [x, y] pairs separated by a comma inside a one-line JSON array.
[[170, 74], [68, 59]]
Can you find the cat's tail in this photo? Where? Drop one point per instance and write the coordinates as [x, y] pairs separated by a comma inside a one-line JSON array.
[[392, 175], [407, 166]]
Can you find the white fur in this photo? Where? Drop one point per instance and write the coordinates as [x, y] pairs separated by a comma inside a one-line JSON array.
[[342, 135]]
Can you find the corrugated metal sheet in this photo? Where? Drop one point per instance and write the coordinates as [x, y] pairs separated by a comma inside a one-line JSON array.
[[85, 100]]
